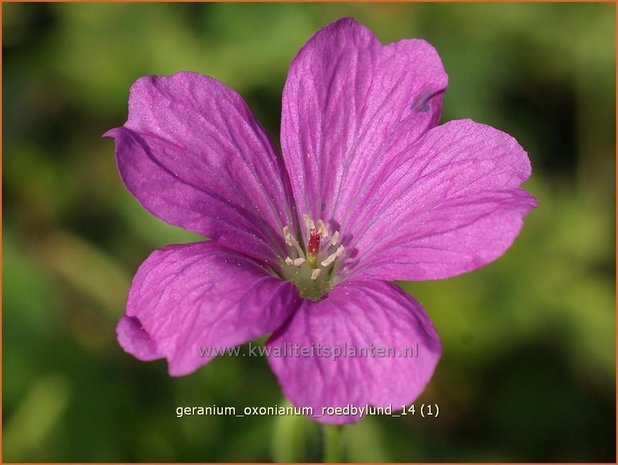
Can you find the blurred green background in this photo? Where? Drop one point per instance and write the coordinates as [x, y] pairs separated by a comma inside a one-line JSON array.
[[528, 368]]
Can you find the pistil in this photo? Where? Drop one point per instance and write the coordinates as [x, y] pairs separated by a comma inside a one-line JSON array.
[[313, 248]]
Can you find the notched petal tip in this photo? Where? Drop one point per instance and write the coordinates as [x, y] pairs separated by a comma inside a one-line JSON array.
[[377, 87]]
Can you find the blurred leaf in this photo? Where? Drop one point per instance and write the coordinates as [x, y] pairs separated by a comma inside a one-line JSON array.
[[35, 417], [295, 438]]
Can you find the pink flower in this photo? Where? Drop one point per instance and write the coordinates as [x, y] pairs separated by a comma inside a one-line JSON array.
[[369, 189]]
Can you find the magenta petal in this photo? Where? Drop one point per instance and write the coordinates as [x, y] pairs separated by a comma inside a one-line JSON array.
[[344, 96], [193, 154], [451, 203], [358, 314], [187, 297]]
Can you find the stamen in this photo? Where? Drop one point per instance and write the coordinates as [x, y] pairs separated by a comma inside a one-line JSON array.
[[315, 273], [309, 222], [287, 234], [299, 250], [322, 228], [289, 261], [298, 261], [335, 238], [289, 240], [332, 257]]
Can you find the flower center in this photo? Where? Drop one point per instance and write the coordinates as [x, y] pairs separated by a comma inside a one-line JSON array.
[[312, 266]]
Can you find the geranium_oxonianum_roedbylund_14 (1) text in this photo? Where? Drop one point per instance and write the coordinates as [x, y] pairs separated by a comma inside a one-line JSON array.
[[369, 188]]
